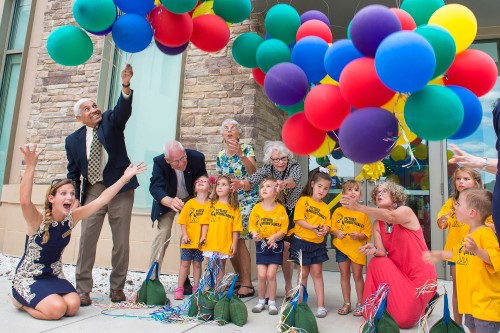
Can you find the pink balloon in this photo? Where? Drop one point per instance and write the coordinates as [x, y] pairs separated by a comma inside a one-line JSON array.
[[407, 22]]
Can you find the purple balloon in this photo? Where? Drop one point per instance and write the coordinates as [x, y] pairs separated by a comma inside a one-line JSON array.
[[334, 135], [286, 84], [314, 15], [171, 50], [370, 26], [366, 136]]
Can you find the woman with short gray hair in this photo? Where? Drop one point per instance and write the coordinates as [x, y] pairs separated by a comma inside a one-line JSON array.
[[279, 163]]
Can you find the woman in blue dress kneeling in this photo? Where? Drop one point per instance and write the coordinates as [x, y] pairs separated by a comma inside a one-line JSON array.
[[39, 285]]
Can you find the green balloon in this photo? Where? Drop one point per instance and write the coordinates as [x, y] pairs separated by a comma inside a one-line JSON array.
[[282, 22], [179, 6], [69, 46], [234, 11], [272, 52], [94, 15], [434, 113], [443, 45], [421, 10], [245, 49], [349, 30], [293, 109]]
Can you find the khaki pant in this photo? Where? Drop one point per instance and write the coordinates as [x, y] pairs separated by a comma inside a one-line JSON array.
[[119, 211], [164, 232]]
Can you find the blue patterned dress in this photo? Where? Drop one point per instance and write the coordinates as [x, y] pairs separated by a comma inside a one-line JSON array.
[[39, 273], [233, 167]]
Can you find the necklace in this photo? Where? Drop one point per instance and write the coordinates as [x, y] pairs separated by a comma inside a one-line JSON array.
[[388, 228]]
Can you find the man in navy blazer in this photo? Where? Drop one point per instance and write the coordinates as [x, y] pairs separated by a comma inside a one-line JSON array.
[[113, 160], [172, 184]]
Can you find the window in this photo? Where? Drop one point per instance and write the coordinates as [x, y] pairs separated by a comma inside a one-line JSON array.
[[11, 70], [156, 85]]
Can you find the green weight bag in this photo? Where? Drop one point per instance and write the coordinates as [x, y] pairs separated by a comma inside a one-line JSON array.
[[383, 321], [203, 302], [299, 315], [231, 309], [446, 324], [152, 292]]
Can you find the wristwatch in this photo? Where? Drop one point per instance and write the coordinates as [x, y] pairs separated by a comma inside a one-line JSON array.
[[486, 163]]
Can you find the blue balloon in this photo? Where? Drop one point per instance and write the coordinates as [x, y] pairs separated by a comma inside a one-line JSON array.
[[338, 55], [309, 54], [473, 112], [132, 33], [405, 61], [140, 7]]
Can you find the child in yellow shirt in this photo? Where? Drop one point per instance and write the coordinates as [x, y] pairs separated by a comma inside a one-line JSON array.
[[268, 225], [189, 219], [312, 223], [221, 224], [477, 260], [351, 230], [463, 178]]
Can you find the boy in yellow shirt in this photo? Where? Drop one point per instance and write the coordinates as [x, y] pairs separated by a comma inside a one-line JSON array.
[[477, 261]]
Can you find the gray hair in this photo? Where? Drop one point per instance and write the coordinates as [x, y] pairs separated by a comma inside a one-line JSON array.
[[231, 121], [76, 107], [277, 146], [171, 145]]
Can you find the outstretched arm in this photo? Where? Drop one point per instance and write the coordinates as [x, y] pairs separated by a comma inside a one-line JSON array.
[[470, 161], [106, 196], [31, 214]]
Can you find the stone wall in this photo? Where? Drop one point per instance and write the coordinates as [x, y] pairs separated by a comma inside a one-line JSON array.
[[217, 88], [57, 88]]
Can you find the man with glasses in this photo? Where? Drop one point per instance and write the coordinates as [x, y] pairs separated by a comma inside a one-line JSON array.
[[97, 158], [172, 184]]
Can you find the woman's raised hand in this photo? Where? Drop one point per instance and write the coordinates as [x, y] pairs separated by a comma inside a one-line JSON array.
[[31, 155], [234, 147], [133, 170]]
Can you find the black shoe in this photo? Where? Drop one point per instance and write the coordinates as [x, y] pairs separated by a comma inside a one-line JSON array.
[[433, 299], [188, 288]]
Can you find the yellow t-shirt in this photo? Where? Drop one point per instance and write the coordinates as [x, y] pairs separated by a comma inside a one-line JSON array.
[[267, 223], [478, 284], [222, 221], [313, 212], [191, 215], [348, 221], [456, 230]]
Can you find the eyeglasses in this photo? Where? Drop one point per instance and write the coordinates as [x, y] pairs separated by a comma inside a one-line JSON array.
[[201, 181], [230, 129], [179, 160], [383, 191], [279, 159]]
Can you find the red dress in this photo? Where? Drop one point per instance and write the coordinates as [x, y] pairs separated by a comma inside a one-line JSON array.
[[404, 271]]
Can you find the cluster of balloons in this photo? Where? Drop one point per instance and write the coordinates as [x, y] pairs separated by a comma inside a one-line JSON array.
[[402, 73], [172, 24]]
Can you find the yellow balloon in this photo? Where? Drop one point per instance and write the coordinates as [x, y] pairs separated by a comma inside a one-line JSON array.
[[460, 23], [326, 147], [398, 153], [206, 7], [439, 81], [328, 80], [397, 106], [449, 154], [424, 183], [420, 152], [157, 2]]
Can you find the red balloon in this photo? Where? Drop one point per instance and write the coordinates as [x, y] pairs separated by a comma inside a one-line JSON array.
[[300, 136], [474, 70], [258, 76], [325, 108], [210, 33], [315, 28], [170, 29], [407, 22], [361, 86]]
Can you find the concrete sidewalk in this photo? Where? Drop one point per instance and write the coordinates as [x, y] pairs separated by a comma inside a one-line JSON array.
[[90, 319]]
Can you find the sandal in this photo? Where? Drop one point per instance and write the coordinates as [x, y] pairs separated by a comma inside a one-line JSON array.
[[345, 309], [358, 312], [250, 294]]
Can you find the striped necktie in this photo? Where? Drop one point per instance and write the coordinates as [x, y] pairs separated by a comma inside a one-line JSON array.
[[94, 163]]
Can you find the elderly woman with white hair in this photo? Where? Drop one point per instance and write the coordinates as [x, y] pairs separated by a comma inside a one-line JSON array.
[[237, 160], [279, 163]]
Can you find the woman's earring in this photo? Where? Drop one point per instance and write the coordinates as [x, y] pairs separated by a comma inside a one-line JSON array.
[[395, 205]]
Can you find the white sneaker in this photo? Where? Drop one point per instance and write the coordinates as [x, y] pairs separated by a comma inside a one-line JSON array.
[[273, 310], [258, 308], [321, 312]]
